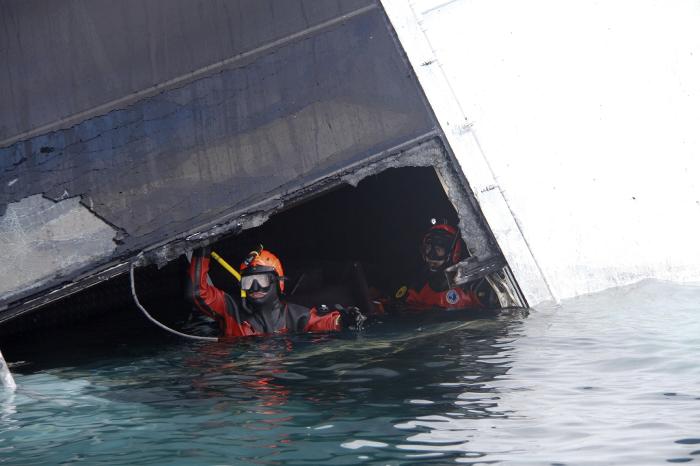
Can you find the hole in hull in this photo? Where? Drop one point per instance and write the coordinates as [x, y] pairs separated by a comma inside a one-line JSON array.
[[379, 223]]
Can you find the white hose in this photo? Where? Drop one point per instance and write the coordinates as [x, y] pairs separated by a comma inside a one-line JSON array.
[[148, 316]]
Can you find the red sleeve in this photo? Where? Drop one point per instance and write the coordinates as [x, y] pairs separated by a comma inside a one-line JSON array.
[[415, 301], [471, 300], [326, 323], [206, 297], [411, 296]]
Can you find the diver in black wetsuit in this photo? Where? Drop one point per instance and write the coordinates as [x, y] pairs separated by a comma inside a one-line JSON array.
[[262, 310]]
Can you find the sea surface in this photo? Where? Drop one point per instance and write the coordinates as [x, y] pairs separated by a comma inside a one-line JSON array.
[[610, 378]]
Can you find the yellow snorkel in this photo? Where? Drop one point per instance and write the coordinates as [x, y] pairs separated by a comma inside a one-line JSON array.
[[228, 267]]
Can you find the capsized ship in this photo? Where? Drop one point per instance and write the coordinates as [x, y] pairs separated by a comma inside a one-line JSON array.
[[137, 132], [333, 131]]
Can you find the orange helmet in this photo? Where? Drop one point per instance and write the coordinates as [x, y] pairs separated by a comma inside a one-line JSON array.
[[263, 261]]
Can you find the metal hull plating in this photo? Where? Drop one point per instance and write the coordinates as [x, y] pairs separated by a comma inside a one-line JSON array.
[[182, 148]]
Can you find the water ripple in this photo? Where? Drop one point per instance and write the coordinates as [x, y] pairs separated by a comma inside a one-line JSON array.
[[607, 379]]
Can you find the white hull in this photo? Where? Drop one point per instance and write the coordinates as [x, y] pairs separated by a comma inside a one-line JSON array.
[[576, 125]]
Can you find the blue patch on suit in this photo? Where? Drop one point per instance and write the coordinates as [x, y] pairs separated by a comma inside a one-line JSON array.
[[452, 297]]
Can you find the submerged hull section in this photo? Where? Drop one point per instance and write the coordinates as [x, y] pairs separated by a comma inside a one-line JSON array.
[[207, 152]]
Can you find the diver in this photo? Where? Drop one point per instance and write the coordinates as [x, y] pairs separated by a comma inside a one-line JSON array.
[[440, 248], [262, 309]]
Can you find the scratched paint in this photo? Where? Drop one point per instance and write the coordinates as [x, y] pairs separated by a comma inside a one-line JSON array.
[[43, 239]]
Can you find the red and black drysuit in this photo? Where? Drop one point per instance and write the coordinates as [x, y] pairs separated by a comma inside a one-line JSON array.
[[234, 322], [434, 292]]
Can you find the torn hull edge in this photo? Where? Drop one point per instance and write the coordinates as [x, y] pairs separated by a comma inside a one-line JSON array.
[[213, 153], [426, 151]]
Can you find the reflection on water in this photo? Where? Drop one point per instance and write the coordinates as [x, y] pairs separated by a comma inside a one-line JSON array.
[[610, 378]]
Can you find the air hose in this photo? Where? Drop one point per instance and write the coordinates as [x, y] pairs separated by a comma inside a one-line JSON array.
[[149, 317]]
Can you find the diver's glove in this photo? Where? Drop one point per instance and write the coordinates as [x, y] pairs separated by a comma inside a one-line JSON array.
[[351, 317]]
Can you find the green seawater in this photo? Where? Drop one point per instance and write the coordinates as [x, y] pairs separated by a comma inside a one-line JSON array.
[[610, 378]]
